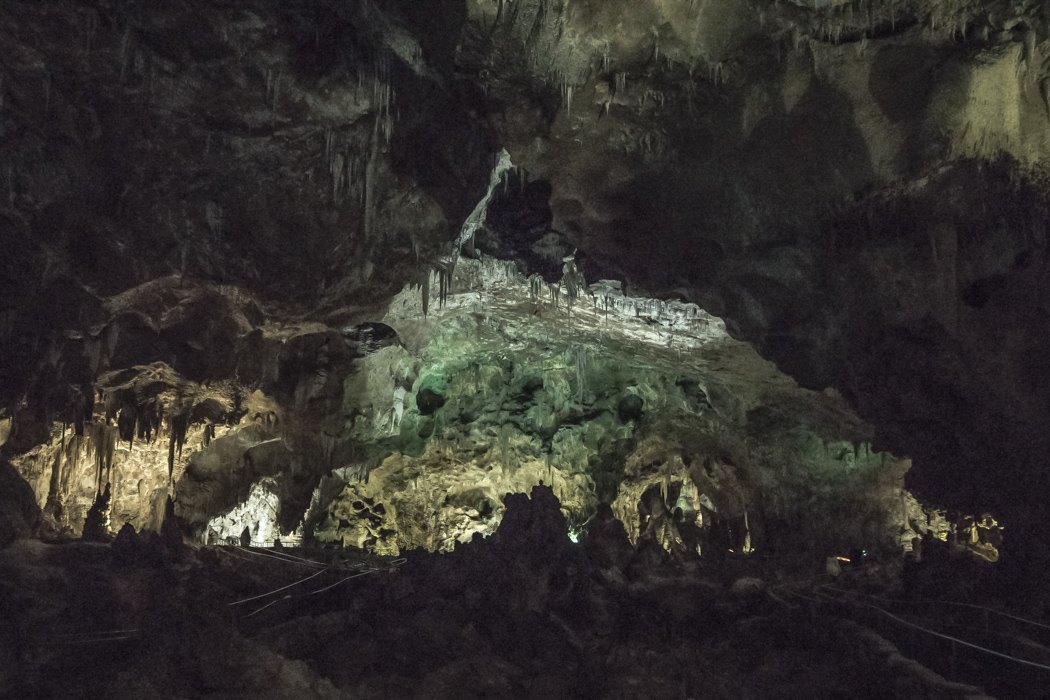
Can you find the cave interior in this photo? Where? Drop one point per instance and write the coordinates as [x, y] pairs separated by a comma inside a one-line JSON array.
[[525, 349]]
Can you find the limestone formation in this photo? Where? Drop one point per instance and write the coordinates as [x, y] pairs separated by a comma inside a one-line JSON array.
[[741, 292]]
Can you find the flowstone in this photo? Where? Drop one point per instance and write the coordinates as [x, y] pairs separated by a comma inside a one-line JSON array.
[[505, 386]]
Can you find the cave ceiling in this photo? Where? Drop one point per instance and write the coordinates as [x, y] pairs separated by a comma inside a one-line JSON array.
[[244, 260]]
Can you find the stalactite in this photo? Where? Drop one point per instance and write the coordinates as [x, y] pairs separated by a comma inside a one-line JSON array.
[[58, 473], [388, 119], [103, 441], [1029, 53], [426, 294], [581, 372], [370, 180], [535, 283], [126, 424], [150, 420], [177, 425], [79, 417], [572, 279], [336, 168], [443, 284], [71, 468], [276, 93], [127, 52], [504, 446]]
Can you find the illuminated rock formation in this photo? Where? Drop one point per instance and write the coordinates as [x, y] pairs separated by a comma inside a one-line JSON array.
[[734, 289]]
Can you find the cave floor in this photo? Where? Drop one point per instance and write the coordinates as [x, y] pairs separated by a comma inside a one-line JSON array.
[[141, 620]]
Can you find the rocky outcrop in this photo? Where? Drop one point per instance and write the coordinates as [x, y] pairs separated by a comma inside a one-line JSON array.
[[600, 398], [19, 514]]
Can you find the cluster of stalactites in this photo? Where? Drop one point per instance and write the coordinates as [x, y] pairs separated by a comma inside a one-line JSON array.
[[383, 96], [342, 164], [443, 272], [353, 173], [128, 417], [146, 421], [98, 441], [608, 296], [838, 21], [541, 290]]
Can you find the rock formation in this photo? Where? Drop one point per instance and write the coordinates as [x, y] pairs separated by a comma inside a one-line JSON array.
[[756, 278]]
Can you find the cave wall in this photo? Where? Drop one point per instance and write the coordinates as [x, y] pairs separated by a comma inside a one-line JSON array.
[[188, 203], [266, 153], [854, 186], [858, 187]]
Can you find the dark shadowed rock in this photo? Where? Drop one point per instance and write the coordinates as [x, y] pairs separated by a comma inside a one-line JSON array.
[[606, 539], [127, 547], [533, 526], [630, 408], [95, 523], [428, 401], [19, 512], [371, 337], [519, 567], [170, 532]]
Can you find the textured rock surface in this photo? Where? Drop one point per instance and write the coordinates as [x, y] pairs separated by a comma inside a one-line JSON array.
[[523, 614], [533, 391], [258, 152], [232, 295], [19, 513], [854, 186]]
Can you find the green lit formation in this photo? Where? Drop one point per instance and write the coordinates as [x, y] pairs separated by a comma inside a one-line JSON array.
[[502, 389]]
